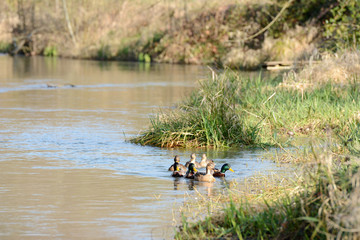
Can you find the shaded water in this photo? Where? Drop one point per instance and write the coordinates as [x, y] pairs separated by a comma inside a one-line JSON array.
[[66, 171]]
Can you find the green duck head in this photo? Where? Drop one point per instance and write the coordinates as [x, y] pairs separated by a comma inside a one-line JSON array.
[[192, 168], [226, 167]]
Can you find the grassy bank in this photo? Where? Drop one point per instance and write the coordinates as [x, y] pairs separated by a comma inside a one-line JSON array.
[[228, 110], [322, 204], [321, 199], [237, 34]]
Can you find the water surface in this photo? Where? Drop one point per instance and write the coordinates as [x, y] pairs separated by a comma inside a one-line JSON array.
[[66, 171]]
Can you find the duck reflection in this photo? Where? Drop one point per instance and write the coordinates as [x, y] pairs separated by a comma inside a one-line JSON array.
[[191, 184], [207, 185], [176, 183]]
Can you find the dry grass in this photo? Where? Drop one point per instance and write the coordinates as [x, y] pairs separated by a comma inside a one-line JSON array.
[[341, 68], [95, 23], [294, 44], [253, 189], [321, 203], [196, 32]]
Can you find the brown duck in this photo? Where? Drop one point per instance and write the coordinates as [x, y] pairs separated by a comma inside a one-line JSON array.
[[204, 161], [177, 160], [205, 177], [192, 160]]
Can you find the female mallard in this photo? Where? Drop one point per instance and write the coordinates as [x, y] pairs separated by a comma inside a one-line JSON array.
[[207, 177], [177, 160], [191, 171], [192, 160], [177, 171], [221, 173], [204, 161]]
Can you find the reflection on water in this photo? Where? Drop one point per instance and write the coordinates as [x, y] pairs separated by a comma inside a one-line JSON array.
[[67, 171]]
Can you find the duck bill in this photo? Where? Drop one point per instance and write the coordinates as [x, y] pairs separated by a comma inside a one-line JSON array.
[[231, 169], [195, 170]]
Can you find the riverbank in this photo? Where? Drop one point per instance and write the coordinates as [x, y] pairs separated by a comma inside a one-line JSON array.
[[320, 202], [236, 34], [321, 199], [229, 110]]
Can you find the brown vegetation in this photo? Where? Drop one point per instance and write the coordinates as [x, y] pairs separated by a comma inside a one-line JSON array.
[[229, 32], [339, 68]]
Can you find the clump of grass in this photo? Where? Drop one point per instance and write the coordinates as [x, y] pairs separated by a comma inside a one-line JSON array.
[[229, 110], [324, 206], [350, 135], [210, 117], [4, 47], [50, 51]]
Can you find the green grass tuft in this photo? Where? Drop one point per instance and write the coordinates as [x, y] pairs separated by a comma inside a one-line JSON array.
[[230, 110]]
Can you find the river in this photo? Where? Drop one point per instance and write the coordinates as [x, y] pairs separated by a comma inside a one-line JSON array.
[[66, 169]]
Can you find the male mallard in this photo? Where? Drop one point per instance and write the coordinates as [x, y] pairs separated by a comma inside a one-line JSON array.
[[205, 161], [177, 171], [191, 171], [207, 177], [221, 173], [177, 160], [192, 160]]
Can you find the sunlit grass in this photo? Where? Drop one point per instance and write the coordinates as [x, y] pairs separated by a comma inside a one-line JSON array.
[[322, 204], [231, 110]]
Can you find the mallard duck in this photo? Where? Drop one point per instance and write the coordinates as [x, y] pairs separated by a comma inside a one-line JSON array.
[[177, 160], [204, 161], [205, 177], [191, 171], [192, 160], [177, 172], [221, 173]]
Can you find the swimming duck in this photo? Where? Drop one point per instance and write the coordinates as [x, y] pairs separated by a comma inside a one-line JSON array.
[[177, 160], [205, 177], [204, 161], [192, 160], [221, 173], [177, 171], [191, 171]]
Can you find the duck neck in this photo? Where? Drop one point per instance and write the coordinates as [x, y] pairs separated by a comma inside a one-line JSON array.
[[176, 166]]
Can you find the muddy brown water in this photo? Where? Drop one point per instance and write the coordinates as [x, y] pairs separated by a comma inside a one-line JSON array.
[[66, 171]]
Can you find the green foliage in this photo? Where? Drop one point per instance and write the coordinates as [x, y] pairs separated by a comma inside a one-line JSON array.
[[126, 53], [144, 57], [4, 47], [350, 136], [343, 28], [158, 36], [104, 52], [50, 51], [300, 12]]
